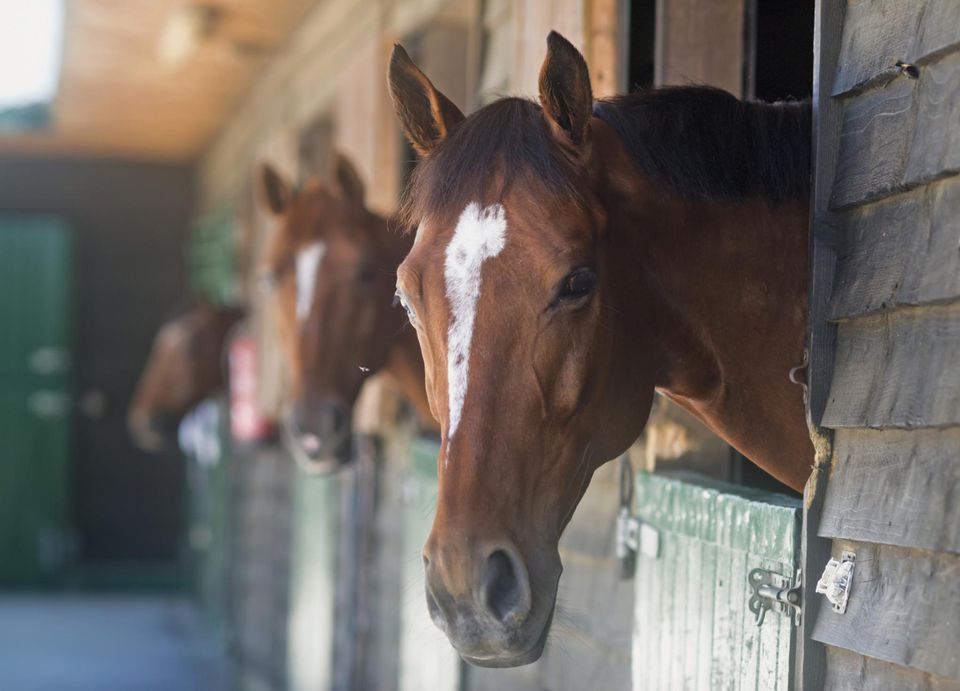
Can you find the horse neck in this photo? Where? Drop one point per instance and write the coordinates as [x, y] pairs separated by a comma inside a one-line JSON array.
[[727, 287]]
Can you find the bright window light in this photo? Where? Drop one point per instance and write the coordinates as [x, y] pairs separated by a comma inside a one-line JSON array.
[[31, 38]]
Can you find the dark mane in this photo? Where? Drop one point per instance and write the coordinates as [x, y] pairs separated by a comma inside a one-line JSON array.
[[700, 142], [706, 144]]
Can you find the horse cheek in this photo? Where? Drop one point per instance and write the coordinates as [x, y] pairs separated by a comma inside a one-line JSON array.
[[428, 375]]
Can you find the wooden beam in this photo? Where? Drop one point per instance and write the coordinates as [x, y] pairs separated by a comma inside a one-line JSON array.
[[815, 551], [700, 42], [606, 45]]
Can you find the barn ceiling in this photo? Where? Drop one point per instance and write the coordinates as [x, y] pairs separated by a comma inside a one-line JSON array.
[[154, 79]]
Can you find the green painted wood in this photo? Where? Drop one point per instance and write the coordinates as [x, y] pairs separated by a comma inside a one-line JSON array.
[[316, 526], [210, 516], [35, 386], [427, 660], [212, 256], [693, 628]]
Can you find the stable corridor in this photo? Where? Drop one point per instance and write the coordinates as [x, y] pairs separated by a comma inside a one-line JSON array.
[[105, 643]]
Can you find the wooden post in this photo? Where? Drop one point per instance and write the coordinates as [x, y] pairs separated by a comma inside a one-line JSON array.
[[700, 42], [606, 46]]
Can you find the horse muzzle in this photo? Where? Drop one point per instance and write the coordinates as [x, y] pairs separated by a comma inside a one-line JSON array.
[[318, 433], [483, 601]]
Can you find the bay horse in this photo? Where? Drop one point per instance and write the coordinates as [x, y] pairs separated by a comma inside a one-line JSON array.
[[184, 367], [331, 265], [571, 258]]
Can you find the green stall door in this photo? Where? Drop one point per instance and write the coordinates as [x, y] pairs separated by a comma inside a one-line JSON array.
[[693, 626], [205, 440], [427, 660], [35, 288], [313, 587]]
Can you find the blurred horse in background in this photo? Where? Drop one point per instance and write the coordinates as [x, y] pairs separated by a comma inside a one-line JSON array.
[[331, 265], [185, 366]]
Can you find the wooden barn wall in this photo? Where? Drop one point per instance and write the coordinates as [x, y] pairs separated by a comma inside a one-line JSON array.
[[885, 370]]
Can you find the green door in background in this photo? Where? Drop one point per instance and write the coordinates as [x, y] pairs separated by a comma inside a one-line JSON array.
[[35, 288]]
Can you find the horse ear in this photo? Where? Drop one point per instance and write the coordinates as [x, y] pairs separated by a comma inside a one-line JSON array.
[[565, 92], [346, 178], [426, 115], [275, 192]]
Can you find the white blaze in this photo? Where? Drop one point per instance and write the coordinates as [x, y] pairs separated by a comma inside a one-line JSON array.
[[308, 264], [480, 234]]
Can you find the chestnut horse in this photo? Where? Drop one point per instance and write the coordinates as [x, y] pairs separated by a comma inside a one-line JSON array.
[[185, 366], [331, 264], [571, 258]]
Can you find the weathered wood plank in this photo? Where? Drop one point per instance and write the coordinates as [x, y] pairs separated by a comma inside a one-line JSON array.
[[895, 487], [873, 144], [899, 251], [900, 135], [725, 652], [935, 149], [877, 34], [898, 369], [705, 636], [904, 608], [847, 671]]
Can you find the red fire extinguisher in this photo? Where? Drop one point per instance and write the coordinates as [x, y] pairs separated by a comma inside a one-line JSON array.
[[247, 421]]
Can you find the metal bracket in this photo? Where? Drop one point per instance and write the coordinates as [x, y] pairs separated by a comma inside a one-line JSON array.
[[773, 591], [628, 541], [836, 581], [633, 535]]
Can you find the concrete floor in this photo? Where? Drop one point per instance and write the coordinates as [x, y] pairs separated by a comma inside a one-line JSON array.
[[105, 643]]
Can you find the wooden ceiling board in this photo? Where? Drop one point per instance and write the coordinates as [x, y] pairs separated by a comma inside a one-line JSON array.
[[118, 98]]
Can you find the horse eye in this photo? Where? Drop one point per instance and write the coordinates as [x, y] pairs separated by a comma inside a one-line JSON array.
[[576, 286], [411, 315]]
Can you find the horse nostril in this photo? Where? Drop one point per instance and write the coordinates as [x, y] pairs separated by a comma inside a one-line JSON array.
[[506, 592]]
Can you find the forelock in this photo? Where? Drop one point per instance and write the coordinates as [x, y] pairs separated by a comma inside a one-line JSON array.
[[503, 144]]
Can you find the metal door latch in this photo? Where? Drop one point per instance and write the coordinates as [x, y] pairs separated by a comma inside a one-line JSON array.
[[773, 591]]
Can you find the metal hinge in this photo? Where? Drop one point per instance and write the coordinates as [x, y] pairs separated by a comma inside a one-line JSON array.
[[634, 537], [774, 591]]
